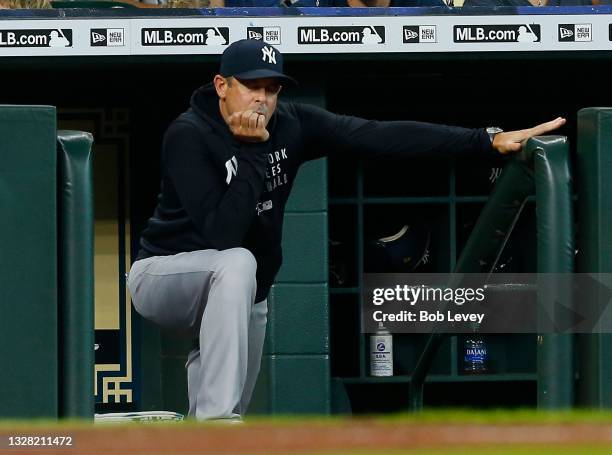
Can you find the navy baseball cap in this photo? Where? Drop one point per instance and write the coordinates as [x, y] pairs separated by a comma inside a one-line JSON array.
[[253, 59]]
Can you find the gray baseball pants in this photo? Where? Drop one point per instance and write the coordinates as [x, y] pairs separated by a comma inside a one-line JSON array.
[[208, 294]]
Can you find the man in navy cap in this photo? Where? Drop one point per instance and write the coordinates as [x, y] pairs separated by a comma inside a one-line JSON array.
[[212, 248]]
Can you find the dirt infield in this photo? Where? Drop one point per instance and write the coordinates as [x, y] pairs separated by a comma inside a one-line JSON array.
[[347, 436]]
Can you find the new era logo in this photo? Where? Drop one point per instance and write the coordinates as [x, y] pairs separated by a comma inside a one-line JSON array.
[[270, 35], [410, 35], [420, 34], [575, 32], [252, 34], [97, 38], [565, 33], [107, 37]]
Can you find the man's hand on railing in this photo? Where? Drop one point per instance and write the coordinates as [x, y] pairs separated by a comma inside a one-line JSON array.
[[513, 141]]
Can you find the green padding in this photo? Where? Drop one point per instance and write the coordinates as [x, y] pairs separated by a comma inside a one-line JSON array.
[[555, 255], [298, 319], [28, 262], [309, 192], [76, 292], [553, 204], [595, 189], [292, 384], [594, 242], [304, 248]]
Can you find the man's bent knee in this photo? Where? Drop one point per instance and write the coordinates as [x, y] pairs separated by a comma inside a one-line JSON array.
[[239, 263]]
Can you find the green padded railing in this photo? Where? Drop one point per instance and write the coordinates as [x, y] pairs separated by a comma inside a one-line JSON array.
[[594, 184], [543, 167], [28, 262], [553, 182], [46, 267], [76, 274]]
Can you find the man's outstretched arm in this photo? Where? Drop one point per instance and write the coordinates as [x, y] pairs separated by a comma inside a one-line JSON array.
[[513, 141], [326, 133]]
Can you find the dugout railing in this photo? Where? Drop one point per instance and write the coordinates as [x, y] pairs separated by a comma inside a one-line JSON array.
[[594, 243], [542, 167], [46, 266]]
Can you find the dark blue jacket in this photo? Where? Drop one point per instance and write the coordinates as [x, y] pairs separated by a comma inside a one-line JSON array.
[[220, 193]]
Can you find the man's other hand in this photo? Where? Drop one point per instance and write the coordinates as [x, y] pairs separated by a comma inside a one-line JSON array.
[[513, 141], [248, 126]]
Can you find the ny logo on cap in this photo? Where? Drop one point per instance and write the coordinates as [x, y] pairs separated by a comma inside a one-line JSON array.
[[268, 55]]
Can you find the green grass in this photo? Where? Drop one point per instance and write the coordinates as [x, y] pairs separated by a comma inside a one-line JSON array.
[[482, 450], [441, 417], [501, 416], [465, 416], [488, 450]]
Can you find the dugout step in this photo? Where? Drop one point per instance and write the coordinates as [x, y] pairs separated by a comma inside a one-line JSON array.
[[443, 378]]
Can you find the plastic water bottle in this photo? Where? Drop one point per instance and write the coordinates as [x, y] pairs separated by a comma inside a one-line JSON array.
[[475, 355], [381, 352]]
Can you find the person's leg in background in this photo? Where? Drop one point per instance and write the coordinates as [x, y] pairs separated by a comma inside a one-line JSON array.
[[257, 335], [209, 293]]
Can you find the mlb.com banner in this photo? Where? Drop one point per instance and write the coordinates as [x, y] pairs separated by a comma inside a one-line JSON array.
[[34, 38], [309, 35], [61, 37]]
